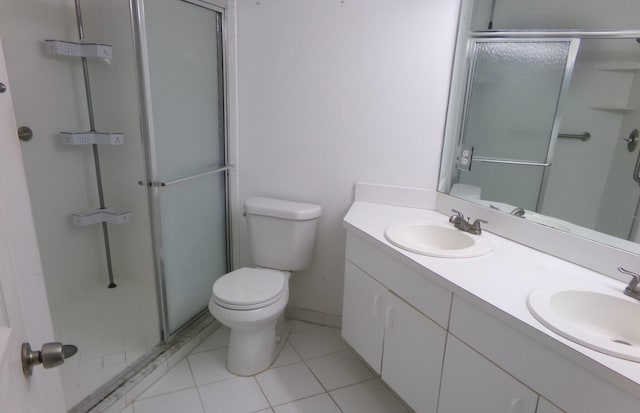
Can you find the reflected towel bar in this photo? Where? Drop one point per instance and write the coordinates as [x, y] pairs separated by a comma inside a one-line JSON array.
[[584, 136]]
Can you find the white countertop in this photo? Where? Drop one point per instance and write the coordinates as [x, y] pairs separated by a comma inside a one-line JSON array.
[[500, 283]]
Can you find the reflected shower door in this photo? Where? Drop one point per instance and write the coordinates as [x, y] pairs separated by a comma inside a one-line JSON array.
[[512, 114], [187, 154]]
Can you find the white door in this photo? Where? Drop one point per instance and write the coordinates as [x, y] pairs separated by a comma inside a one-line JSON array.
[[363, 315], [471, 383], [24, 311], [413, 354]]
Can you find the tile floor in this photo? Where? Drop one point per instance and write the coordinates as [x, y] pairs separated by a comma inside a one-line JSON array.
[[111, 327], [315, 373]]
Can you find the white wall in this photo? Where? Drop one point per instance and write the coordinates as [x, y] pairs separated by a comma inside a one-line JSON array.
[[49, 97], [45, 100], [622, 192], [579, 171], [331, 92], [115, 99]]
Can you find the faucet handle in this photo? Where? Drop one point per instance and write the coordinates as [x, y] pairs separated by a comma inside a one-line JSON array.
[[635, 278], [456, 217], [632, 289]]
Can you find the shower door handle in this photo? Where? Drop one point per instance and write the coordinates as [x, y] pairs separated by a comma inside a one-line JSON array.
[[51, 355], [186, 178]]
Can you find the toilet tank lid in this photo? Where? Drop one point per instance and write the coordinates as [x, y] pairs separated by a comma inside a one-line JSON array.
[[279, 208]]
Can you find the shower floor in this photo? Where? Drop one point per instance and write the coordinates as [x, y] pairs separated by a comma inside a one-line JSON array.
[[111, 327]]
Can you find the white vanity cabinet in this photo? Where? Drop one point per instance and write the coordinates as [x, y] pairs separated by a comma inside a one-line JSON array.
[[399, 310], [399, 342], [471, 383]]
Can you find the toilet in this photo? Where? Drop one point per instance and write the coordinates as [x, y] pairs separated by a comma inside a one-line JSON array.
[[251, 301]]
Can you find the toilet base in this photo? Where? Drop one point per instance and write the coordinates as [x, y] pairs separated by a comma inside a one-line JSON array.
[[253, 351]]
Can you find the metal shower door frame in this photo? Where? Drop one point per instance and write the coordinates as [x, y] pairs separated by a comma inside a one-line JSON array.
[[152, 183], [522, 37]]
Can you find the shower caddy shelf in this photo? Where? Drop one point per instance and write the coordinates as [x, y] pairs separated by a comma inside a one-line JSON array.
[[114, 216], [620, 67], [91, 138], [614, 109], [77, 49], [617, 67], [101, 215]]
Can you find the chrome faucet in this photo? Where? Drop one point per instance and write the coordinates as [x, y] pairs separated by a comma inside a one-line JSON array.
[[458, 221], [519, 212], [633, 289]]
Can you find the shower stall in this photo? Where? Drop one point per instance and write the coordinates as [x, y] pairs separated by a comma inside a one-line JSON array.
[[127, 170]]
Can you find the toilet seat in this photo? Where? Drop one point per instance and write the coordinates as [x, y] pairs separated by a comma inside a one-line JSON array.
[[249, 288]]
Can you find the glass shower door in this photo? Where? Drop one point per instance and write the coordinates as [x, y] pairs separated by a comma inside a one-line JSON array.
[[512, 114], [186, 153]]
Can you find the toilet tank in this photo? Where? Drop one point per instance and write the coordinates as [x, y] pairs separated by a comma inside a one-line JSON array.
[[281, 233]]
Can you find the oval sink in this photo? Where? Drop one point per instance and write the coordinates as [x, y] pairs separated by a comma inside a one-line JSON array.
[[436, 240], [602, 322]]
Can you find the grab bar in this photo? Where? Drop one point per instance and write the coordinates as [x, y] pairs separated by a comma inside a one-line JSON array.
[[584, 136], [509, 161], [186, 178]]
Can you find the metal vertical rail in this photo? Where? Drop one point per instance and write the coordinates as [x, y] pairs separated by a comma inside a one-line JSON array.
[[96, 156]]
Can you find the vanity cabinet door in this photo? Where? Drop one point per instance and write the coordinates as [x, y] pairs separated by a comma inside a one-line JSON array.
[[363, 315], [413, 353], [471, 383]]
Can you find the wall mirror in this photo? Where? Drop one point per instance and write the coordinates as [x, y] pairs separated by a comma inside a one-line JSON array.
[[544, 115]]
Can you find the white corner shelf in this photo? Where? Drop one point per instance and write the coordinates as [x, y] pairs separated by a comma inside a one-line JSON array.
[[91, 138], [76, 49], [95, 216], [620, 67], [614, 109]]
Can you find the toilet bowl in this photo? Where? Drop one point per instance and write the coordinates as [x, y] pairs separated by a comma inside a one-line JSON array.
[[251, 301]]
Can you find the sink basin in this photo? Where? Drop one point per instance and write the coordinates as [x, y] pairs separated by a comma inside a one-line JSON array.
[[602, 322], [437, 240]]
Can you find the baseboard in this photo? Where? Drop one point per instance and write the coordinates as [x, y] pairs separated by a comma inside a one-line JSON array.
[[315, 317]]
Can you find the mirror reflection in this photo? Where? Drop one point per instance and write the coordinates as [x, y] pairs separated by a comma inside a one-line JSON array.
[[544, 114]]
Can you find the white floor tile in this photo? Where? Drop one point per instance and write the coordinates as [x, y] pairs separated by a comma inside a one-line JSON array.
[[238, 395], [321, 403], [315, 342], [297, 325], [178, 378], [185, 401], [339, 369], [287, 356], [210, 366], [218, 339], [109, 326], [288, 383], [369, 397]]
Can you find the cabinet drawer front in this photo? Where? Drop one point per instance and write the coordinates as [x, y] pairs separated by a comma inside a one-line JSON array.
[[425, 295], [363, 315], [471, 383]]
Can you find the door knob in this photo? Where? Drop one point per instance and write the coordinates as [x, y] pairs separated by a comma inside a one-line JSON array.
[[51, 355]]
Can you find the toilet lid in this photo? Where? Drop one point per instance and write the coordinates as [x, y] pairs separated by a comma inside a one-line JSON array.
[[249, 288]]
